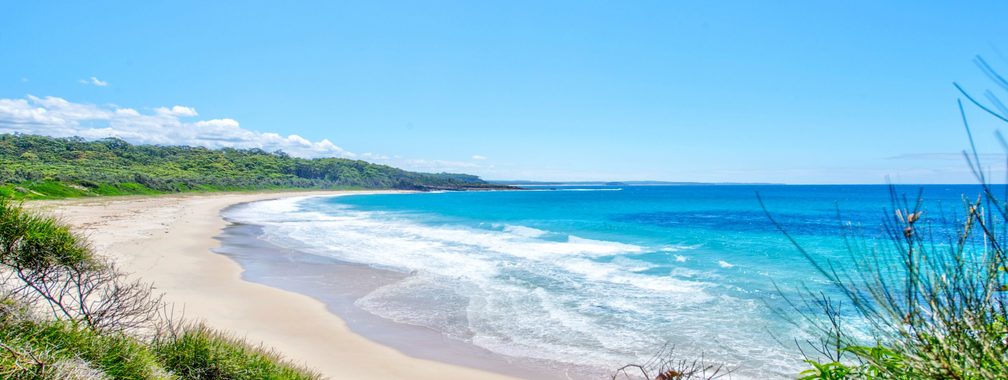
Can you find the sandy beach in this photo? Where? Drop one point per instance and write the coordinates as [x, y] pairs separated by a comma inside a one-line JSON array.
[[167, 240]]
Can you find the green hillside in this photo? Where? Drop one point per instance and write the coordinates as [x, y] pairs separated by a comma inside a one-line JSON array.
[[47, 167]]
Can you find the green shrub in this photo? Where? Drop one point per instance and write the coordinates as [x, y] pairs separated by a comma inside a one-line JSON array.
[[55, 189], [92, 310], [198, 352], [29, 241], [933, 301], [42, 349]]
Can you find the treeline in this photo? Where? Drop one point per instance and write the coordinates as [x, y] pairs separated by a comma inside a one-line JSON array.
[[38, 166]]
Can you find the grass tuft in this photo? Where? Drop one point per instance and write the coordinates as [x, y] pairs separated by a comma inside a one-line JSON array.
[[53, 349], [199, 352], [66, 313]]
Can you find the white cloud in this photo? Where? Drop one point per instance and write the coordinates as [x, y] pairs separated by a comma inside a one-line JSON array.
[[176, 111], [127, 112], [425, 165], [376, 157], [945, 156], [55, 116], [94, 82]]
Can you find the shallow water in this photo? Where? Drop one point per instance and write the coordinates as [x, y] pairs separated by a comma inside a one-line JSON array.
[[591, 276], [339, 284]]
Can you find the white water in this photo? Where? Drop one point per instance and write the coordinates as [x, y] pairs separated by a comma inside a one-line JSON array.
[[527, 292]]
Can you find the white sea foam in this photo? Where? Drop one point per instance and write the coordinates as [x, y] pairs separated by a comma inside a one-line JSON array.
[[524, 231], [514, 289], [541, 188], [680, 247], [725, 264]]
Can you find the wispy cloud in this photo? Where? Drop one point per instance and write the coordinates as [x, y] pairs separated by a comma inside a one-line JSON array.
[[94, 82], [478, 157], [426, 165], [945, 156], [59, 117], [176, 111]]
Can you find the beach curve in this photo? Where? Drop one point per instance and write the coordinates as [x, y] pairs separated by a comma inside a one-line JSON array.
[[167, 240]]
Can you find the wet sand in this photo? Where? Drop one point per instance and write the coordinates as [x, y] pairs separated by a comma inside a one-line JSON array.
[[168, 240], [339, 284]]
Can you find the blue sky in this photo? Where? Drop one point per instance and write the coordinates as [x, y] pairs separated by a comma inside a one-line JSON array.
[[793, 92]]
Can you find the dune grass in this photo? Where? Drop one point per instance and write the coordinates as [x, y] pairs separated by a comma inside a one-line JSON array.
[[933, 300], [54, 349], [930, 302], [66, 313], [198, 352]]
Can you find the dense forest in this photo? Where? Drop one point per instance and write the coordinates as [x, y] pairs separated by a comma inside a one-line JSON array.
[[47, 167]]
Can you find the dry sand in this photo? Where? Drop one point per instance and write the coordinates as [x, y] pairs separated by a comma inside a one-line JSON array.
[[167, 240]]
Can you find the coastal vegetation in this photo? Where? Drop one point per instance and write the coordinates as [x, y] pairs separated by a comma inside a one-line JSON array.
[[925, 304], [929, 300], [39, 167], [67, 313], [926, 301]]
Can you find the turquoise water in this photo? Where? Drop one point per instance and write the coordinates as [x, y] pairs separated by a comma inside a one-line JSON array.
[[596, 276]]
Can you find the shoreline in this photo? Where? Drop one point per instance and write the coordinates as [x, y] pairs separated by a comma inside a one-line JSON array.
[[338, 284], [169, 241]]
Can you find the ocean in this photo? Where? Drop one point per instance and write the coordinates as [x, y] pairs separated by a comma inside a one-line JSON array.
[[595, 276]]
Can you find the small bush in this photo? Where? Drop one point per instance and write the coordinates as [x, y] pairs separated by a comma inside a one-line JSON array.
[[32, 242], [932, 300], [665, 365], [51, 266], [198, 352], [58, 349], [66, 313]]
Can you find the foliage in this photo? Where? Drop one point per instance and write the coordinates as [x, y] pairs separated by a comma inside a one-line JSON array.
[[665, 365], [46, 264], [197, 352], [932, 300], [874, 362], [46, 167], [66, 313], [55, 349], [32, 242]]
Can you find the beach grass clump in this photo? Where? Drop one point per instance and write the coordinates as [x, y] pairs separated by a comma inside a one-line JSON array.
[[47, 265], [929, 300], [928, 304], [666, 365], [198, 352], [60, 349], [29, 241]]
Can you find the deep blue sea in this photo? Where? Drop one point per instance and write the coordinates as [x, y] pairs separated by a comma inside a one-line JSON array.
[[598, 276]]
